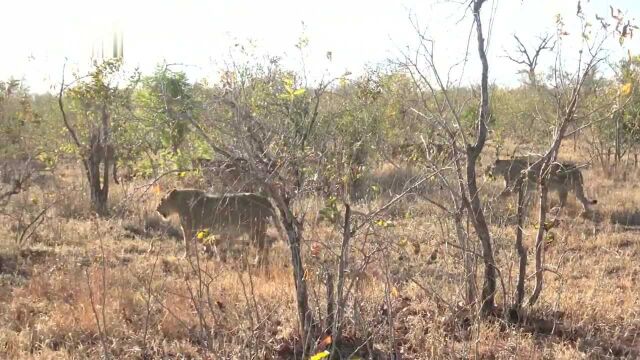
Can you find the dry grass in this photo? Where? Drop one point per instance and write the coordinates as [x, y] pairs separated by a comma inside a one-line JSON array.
[[81, 284]]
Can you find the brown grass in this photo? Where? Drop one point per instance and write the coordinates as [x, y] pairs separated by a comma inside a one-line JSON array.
[[50, 286]]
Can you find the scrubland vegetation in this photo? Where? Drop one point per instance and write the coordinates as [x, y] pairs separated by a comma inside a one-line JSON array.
[[392, 238]]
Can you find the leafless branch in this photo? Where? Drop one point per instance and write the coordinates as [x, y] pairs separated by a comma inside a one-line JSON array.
[[530, 58]]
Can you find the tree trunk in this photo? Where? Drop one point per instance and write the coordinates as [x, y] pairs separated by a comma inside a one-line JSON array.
[[618, 146], [293, 230], [357, 190], [522, 251], [467, 259], [98, 180], [475, 205], [542, 218], [342, 269], [331, 310]]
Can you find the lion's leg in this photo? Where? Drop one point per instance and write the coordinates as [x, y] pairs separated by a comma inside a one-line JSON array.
[[228, 244], [210, 248], [579, 190], [260, 231], [221, 246], [507, 188], [221, 254], [190, 231], [563, 192], [188, 235], [115, 172]]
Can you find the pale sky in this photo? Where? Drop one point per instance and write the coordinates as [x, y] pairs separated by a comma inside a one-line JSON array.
[[37, 35]]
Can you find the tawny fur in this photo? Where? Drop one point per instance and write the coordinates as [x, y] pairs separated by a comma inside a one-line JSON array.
[[563, 177], [225, 215]]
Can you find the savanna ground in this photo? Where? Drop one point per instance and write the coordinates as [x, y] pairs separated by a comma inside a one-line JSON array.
[[390, 239], [87, 285]]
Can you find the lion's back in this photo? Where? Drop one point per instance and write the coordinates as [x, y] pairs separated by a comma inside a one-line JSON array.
[[566, 175], [204, 210], [512, 168]]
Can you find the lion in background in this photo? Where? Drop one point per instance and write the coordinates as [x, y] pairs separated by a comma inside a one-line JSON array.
[[563, 177], [226, 215]]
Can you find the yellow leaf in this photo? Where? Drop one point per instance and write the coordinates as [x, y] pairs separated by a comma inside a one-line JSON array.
[[209, 240], [626, 89], [288, 82], [383, 223], [202, 234], [139, 297], [395, 292], [548, 225], [320, 355]]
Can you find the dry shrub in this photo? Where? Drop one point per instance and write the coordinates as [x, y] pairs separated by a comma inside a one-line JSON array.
[[46, 311], [389, 180], [72, 202]]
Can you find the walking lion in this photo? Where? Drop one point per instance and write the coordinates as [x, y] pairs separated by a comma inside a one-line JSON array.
[[226, 216]]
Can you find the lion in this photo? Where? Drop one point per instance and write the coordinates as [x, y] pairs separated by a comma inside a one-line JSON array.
[[563, 177], [226, 215]]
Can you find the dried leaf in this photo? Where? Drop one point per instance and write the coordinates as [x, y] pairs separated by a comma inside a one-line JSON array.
[[326, 341]]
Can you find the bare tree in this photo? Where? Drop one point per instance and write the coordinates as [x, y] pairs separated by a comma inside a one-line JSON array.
[[473, 151], [458, 177], [268, 150], [529, 57], [545, 167]]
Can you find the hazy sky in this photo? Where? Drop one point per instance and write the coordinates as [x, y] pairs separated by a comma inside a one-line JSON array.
[[38, 35]]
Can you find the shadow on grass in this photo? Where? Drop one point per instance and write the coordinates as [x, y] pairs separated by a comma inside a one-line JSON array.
[[348, 347], [15, 266], [151, 225], [593, 341], [630, 219]]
